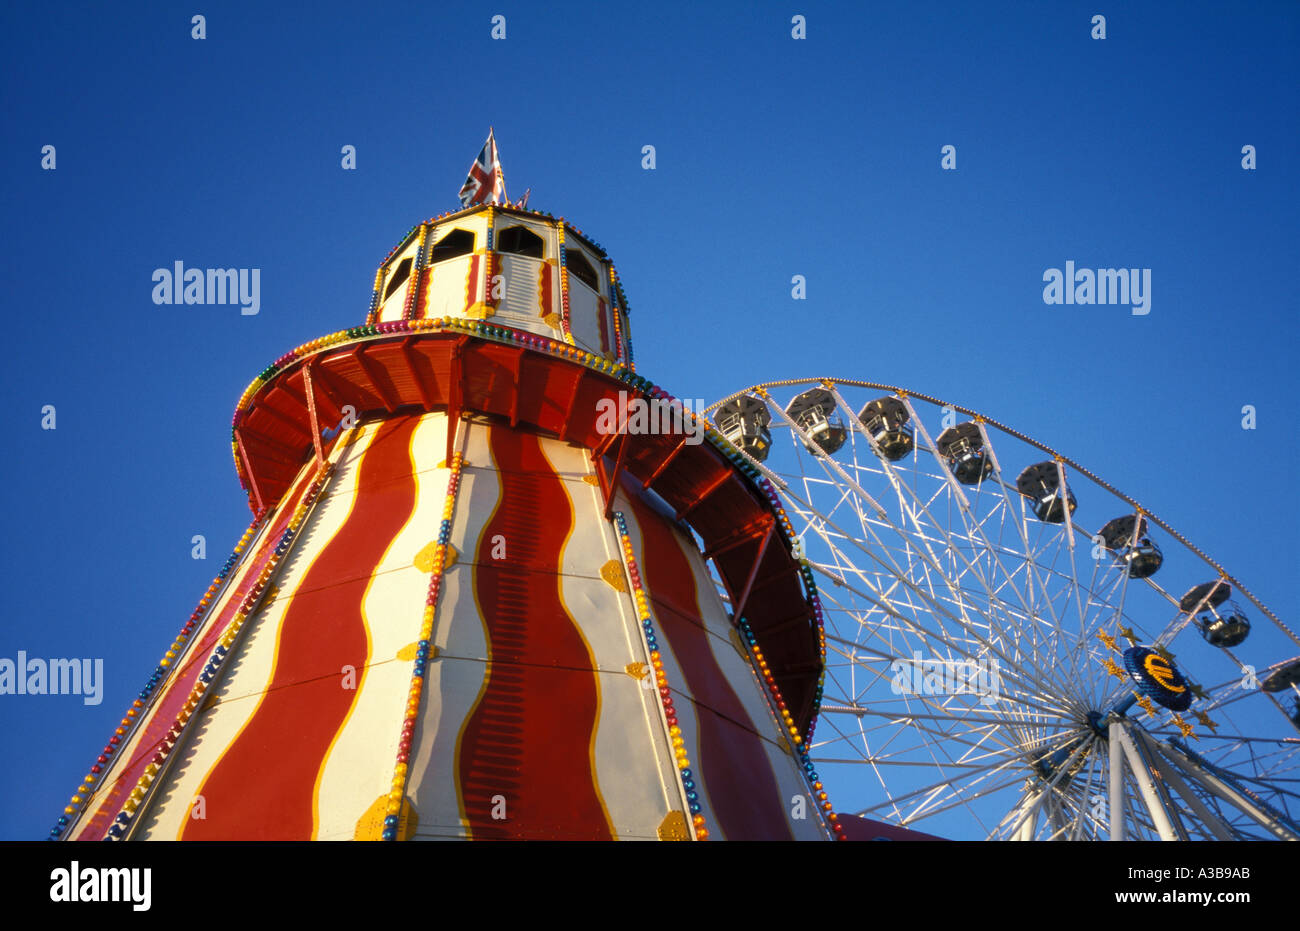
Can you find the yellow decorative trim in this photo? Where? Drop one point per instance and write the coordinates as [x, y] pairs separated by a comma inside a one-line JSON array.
[[480, 311], [370, 825], [673, 827], [637, 670], [591, 480], [612, 572], [424, 561], [408, 652]]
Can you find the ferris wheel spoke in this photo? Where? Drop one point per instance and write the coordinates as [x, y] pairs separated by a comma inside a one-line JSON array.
[[1018, 673], [1088, 791], [901, 487], [971, 524]]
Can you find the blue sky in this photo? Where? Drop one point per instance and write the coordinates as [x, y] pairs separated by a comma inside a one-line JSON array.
[[775, 157]]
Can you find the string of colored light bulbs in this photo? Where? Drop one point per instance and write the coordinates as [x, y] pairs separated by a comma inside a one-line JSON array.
[[126, 726], [249, 604], [489, 265], [786, 720], [413, 288], [614, 291], [423, 646], [564, 288], [810, 586], [373, 312], [643, 614]]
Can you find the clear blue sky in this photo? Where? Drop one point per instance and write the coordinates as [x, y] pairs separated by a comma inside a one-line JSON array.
[[775, 157]]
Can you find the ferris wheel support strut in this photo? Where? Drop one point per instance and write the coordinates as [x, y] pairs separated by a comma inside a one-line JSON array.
[[1018, 832], [1225, 791], [1179, 785], [1118, 800], [1142, 776]]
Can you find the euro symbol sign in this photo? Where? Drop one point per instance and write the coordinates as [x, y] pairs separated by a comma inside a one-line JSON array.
[[1161, 672]]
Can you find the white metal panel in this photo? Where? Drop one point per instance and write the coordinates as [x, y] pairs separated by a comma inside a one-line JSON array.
[[583, 321], [392, 307], [520, 304], [445, 287]]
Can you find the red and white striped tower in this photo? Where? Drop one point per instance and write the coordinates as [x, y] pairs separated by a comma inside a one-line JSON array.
[[466, 607]]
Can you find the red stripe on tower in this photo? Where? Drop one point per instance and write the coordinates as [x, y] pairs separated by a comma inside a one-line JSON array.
[[264, 785], [545, 282], [601, 310], [733, 762], [525, 758], [471, 281]]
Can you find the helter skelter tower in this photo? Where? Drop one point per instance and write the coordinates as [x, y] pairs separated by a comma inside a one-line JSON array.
[[465, 608]]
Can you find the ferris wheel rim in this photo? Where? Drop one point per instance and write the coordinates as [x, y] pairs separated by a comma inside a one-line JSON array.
[[987, 421]]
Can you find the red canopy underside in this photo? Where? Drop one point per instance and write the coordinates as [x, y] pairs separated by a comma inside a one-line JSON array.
[[534, 391]]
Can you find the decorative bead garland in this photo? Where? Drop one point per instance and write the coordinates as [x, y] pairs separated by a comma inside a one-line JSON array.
[[564, 288], [393, 809], [373, 313], [642, 602], [122, 822], [814, 600], [134, 714], [783, 523], [566, 350], [413, 290], [614, 310], [406, 237], [489, 260], [622, 302], [786, 721]]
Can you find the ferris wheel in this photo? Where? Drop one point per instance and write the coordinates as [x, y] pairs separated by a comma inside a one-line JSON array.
[[1015, 649]]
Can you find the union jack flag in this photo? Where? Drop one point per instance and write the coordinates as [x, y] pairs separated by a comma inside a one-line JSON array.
[[486, 180]]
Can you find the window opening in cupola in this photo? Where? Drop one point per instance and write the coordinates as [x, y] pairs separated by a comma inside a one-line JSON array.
[[457, 242], [399, 277], [520, 241], [581, 269]]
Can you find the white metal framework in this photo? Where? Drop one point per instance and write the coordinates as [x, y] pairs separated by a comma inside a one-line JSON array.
[[975, 683]]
